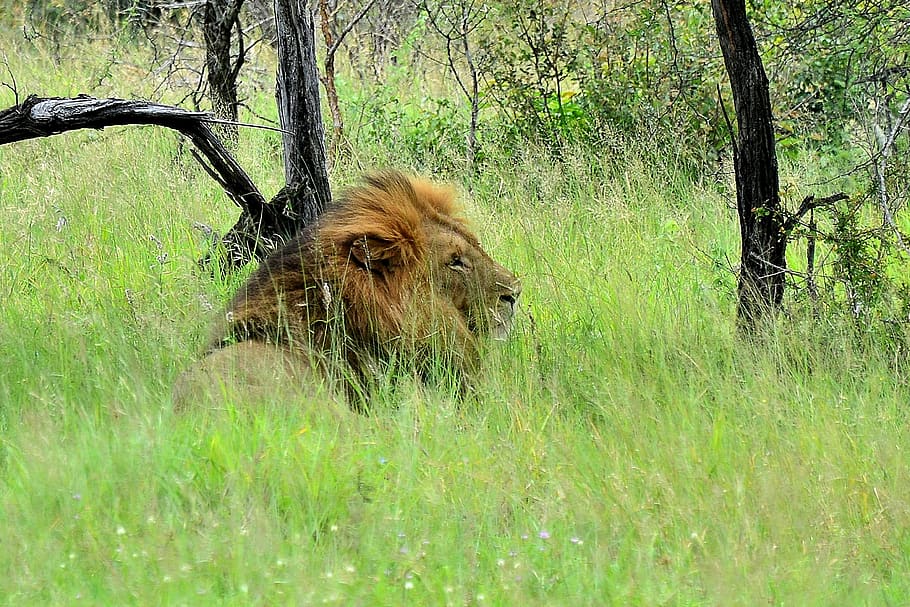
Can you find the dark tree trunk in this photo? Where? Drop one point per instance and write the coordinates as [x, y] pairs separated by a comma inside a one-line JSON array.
[[305, 169], [261, 226], [220, 19], [761, 218]]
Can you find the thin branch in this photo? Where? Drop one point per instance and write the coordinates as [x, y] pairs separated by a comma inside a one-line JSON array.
[[179, 5], [14, 87], [723, 108], [895, 128], [811, 284], [778, 269], [262, 127], [347, 29], [233, 12], [884, 151], [808, 204], [241, 51]]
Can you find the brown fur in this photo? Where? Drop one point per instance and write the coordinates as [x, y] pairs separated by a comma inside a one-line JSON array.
[[390, 272]]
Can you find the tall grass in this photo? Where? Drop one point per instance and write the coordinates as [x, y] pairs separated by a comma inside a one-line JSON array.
[[623, 449]]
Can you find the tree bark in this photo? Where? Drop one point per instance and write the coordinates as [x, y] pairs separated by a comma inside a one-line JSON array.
[[220, 18], [262, 225], [305, 168], [761, 218]]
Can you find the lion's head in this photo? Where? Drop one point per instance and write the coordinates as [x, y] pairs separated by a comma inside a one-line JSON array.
[[390, 271]]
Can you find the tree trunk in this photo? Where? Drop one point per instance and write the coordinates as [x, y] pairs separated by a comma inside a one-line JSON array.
[[761, 218], [306, 173], [220, 18]]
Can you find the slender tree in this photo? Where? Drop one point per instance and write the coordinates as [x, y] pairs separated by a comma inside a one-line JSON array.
[[333, 39], [455, 23], [763, 265]]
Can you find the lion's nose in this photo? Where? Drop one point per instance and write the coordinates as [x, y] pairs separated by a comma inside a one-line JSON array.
[[511, 297]]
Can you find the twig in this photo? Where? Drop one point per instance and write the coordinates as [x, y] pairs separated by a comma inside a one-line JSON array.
[[14, 87], [249, 125], [723, 108], [808, 204], [811, 285], [347, 29]]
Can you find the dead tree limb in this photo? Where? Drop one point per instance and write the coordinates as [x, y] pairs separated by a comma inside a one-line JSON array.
[[810, 203], [262, 225]]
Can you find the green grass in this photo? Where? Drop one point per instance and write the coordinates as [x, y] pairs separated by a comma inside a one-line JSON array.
[[624, 448]]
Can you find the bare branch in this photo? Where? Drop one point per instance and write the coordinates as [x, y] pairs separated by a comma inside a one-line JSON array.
[[723, 109], [249, 125], [14, 86], [262, 225], [886, 143], [808, 204], [351, 24]]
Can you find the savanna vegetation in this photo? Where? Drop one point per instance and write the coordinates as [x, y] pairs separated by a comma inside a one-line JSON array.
[[626, 446]]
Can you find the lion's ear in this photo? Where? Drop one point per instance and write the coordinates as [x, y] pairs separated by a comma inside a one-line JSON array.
[[381, 255]]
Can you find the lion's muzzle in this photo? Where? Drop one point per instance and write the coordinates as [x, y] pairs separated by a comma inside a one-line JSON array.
[[505, 311]]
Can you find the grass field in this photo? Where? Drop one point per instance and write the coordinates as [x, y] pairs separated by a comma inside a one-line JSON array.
[[624, 448]]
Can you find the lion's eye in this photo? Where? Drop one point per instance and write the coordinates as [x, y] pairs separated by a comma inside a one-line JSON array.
[[458, 264]]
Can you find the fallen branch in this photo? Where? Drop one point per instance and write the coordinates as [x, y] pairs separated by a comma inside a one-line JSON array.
[[262, 225]]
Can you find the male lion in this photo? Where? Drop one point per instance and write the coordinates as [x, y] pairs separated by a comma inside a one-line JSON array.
[[389, 274]]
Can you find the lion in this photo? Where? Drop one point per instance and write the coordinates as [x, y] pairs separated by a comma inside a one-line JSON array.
[[389, 276]]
